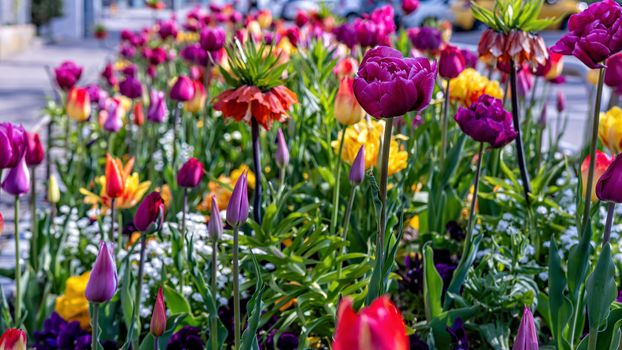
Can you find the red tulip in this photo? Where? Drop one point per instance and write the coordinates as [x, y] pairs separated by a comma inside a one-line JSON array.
[[377, 327], [149, 212], [139, 115], [602, 163], [34, 149], [13, 339], [190, 174], [158, 316], [115, 184]]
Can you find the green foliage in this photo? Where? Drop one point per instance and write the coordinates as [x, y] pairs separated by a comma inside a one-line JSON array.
[[510, 15], [253, 65], [43, 11]]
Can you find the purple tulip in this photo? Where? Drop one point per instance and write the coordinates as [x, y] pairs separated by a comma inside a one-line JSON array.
[[182, 90], [613, 73], [237, 209], [451, 63], [594, 34], [113, 122], [470, 58], [109, 75], [155, 56], [561, 102], [127, 51], [130, 87], [487, 121], [214, 227], [96, 95], [103, 280], [425, 39], [17, 181], [527, 336], [130, 71], [190, 174], [212, 39], [346, 34], [67, 75], [195, 54], [150, 212], [357, 171], [157, 111], [282, 153], [167, 29], [12, 144], [375, 29], [389, 85], [608, 185]]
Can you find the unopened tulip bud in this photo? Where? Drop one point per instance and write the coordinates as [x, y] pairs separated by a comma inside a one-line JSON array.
[[190, 174], [410, 6], [115, 185], [182, 90], [1, 223], [139, 115], [357, 171], [214, 227], [237, 209], [34, 149], [78, 105], [150, 212], [282, 153], [53, 190], [527, 336], [103, 279], [347, 110], [451, 63], [609, 184], [602, 163], [17, 181], [158, 316], [13, 339]]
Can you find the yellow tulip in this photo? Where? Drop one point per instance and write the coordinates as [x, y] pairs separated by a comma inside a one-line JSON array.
[[610, 129], [53, 190], [73, 306], [347, 110], [470, 85], [78, 105]]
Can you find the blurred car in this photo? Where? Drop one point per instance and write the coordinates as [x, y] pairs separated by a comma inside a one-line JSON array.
[[342, 8], [561, 9], [429, 11]]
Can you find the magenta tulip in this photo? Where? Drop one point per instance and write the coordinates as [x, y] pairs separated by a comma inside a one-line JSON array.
[[182, 90], [487, 121], [527, 336], [609, 184], [157, 111], [190, 174], [34, 149], [12, 144], [451, 62], [150, 212], [67, 75], [212, 39]]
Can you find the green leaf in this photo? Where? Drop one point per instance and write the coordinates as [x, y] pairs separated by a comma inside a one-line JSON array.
[[578, 261], [254, 307], [432, 285], [560, 307], [601, 289], [463, 268], [175, 302]]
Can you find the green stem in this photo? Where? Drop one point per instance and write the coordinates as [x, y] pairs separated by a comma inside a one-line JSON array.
[[346, 226], [213, 318], [384, 179], [18, 269], [520, 153], [48, 158], [156, 342], [182, 241], [610, 214], [33, 216], [112, 217], [333, 221], [139, 279], [95, 326], [445, 125], [236, 288], [175, 121], [593, 143], [257, 168], [593, 339]]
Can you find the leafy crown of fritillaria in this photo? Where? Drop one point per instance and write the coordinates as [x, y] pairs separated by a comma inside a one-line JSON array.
[[253, 65], [510, 15]]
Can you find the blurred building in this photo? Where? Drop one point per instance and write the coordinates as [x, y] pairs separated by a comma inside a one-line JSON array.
[[16, 33]]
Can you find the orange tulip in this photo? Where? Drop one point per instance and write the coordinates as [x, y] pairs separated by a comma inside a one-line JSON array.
[[115, 184], [377, 327], [196, 104], [139, 115], [602, 163], [78, 105], [347, 109]]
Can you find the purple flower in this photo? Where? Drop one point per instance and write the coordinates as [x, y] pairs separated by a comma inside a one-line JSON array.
[[150, 213], [451, 62], [113, 122], [67, 75], [282, 153], [487, 121], [195, 54], [458, 335], [527, 336], [594, 34], [470, 58], [17, 181], [425, 39], [182, 90], [167, 29], [609, 184], [185, 339], [103, 280], [614, 72], [214, 227], [375, 29], [127, 51], [212, 39], [157, 111], [95, 93], [155, 56], [389, 85], [190, 174], [130, 87], [60, 334], [524, 80], [560, 102], [237, 209], [287, 341], [12, 144], [346, 34], [34, 149], [109, 75], [357, 171]]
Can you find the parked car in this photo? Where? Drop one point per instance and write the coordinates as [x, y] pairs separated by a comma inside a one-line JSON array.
[[561, 9]]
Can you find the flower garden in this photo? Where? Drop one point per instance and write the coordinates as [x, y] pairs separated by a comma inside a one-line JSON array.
[[241, 182]]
